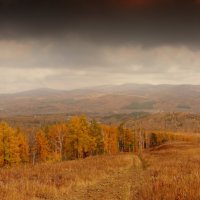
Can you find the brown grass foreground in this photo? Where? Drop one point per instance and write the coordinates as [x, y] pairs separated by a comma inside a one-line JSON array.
[[170, 172], [54, 181], [167, 172]]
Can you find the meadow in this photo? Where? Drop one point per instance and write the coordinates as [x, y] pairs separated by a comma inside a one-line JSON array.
[[170, 172], [57, 180], [166, 172]]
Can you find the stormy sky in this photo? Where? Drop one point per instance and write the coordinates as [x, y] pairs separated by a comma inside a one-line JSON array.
[[67, 44]]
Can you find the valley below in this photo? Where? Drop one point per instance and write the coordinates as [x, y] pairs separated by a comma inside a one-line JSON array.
[[128, 142], [103, 100]]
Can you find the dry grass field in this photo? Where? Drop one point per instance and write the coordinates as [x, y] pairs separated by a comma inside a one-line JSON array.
[[171, 172], [56, 181], [168, 172]]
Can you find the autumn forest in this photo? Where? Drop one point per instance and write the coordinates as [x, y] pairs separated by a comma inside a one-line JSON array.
[[78, 138]]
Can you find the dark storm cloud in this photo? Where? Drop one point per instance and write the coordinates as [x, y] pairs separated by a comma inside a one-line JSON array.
[[68, 44], [145, 22]]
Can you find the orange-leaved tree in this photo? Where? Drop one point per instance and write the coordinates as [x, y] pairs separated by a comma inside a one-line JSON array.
[[42, 147], [80, 140], [110, 139], [57, 137], [14, 147]]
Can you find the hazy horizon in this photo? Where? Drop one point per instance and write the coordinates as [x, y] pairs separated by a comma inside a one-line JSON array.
[[65, 44], [96, 87]]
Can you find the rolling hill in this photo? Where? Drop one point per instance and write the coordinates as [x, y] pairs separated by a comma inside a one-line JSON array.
[[172, 122], [104, 100]]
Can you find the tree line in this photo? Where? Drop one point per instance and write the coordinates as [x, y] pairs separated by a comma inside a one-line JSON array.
[[78, 138]]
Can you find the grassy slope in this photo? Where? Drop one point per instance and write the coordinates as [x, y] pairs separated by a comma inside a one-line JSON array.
[[168, 172], [57, 181]]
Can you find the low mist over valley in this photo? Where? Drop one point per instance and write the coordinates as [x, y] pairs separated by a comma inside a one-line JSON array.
[[104, 100]]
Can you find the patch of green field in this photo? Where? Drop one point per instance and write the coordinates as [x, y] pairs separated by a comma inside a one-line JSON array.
[[141, 105], [183, 106]]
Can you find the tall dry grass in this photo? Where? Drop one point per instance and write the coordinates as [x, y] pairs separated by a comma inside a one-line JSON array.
[[167, 172], [170, 172], [54, 181]]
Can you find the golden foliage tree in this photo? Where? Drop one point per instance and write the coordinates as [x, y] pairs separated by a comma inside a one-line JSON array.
[[96, 132], [82, 143], [24, 148], [110, 139], [57, 137], [13, 146], [125, 139], [42, 146]]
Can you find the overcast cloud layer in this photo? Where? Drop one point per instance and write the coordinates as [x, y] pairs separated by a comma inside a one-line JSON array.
[[67, 44]]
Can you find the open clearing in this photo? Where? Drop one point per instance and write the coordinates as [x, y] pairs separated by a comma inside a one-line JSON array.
[[168, 172]]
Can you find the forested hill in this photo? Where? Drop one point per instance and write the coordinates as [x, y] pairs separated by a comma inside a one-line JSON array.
[[104, 100], [176, 122]]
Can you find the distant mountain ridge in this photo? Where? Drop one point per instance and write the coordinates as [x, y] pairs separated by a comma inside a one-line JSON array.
[[106, 99]]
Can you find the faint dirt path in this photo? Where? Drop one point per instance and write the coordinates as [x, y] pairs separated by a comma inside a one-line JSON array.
[[120, 186]]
